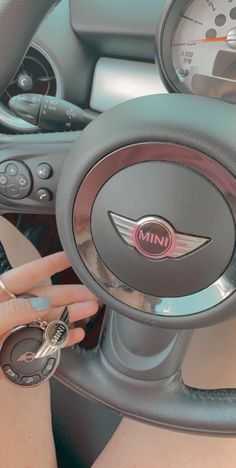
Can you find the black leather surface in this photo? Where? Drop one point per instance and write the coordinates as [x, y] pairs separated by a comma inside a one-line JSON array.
[[167, 403], [19, 20]]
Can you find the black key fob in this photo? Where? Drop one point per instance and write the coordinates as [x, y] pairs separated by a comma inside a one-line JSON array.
[[30, 354], [17, 357]]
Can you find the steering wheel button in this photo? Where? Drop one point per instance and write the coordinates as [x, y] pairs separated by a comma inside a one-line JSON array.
[[13, 190], [3, 179], [49, 366], [12, 169], [31, 380], [10, 372], [44, 171], [22, 181], [44, 195]]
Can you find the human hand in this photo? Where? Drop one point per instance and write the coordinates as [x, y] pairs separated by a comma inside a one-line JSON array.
[[50, 301]]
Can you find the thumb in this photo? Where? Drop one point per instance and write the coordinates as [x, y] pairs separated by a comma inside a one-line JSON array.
[[20, 311]]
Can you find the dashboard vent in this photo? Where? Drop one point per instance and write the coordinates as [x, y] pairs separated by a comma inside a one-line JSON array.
[[35, 75]]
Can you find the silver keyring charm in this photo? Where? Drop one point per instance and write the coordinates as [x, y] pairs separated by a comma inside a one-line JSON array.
[[57, 334]]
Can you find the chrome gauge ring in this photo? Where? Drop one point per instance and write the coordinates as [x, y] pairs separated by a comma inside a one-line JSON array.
[[203, 298], [196, 47]]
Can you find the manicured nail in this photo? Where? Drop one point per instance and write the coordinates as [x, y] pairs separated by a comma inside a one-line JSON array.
[[40, 303]]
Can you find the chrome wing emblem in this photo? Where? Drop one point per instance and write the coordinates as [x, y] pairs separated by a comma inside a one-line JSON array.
[[186, 244], [180, 245], [125, 227]]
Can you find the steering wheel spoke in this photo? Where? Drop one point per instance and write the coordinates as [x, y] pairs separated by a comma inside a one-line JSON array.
[[143, 351]]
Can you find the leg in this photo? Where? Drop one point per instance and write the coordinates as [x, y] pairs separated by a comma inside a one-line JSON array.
[[210, 362], [26, 438]]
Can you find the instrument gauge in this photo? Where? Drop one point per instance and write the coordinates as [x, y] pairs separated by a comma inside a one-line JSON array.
[[196, 47]]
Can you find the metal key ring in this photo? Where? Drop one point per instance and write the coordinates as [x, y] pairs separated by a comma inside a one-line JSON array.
[[6, 290]]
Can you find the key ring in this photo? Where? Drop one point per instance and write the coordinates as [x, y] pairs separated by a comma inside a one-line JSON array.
[[6, 290]]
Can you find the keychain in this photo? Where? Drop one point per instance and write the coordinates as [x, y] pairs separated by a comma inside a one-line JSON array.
[[30, 354]]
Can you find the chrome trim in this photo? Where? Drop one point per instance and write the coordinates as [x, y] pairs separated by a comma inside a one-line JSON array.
[[44, 351], [186, 244], [125, 227], [53, 65], [208, 298], [7, 119], [231, 38], [116, 81]]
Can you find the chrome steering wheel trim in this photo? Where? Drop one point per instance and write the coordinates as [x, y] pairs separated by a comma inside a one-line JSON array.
[[199, 302]]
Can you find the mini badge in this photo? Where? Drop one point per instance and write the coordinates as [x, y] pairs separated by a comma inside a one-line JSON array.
[[155, 238], [57, 334]]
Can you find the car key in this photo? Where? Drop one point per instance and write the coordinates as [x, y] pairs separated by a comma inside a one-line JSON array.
[[30, 354]]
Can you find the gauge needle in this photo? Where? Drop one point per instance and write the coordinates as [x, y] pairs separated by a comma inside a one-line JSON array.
[[210, 39], [213, 39]]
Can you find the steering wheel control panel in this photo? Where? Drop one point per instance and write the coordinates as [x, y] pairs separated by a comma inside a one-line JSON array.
[[29, 174], [15, 180]]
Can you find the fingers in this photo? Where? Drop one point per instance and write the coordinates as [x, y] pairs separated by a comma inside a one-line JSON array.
[[65, 294], [76, 336], [77, 312], [25, 277], [21, 311], [82, 310]]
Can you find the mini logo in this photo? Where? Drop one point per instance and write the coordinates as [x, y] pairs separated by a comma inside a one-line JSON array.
[[155, 238], [57, 334], [26, 357]]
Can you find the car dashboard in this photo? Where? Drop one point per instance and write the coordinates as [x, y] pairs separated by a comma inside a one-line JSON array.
[[97, 57], [93, 57]]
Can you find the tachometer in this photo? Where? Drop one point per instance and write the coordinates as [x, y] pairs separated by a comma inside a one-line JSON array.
[[196, 47]]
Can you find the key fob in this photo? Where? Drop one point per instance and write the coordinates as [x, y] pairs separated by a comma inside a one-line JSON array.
[[17, 357], [30, 354]]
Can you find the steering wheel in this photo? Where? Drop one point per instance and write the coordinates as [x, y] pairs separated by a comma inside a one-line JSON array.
[[145, 206]]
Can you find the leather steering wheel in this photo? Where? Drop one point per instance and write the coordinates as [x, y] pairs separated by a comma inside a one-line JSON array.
[[146, 207]]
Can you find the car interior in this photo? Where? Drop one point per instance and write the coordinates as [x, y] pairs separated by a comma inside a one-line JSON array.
[[117, 145]]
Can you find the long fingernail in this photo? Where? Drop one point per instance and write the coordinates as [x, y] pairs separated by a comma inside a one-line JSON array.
[[40, 303]]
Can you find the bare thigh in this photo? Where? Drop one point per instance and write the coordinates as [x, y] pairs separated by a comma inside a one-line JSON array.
[[210, 362], [26, 438]]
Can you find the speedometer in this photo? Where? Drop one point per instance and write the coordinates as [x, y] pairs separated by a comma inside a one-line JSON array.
[[196, 47]]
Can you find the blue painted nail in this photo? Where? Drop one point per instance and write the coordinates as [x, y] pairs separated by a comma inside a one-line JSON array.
[[40, 303]]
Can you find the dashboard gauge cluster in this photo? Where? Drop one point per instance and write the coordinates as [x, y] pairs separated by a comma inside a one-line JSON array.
[[196, 47]]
